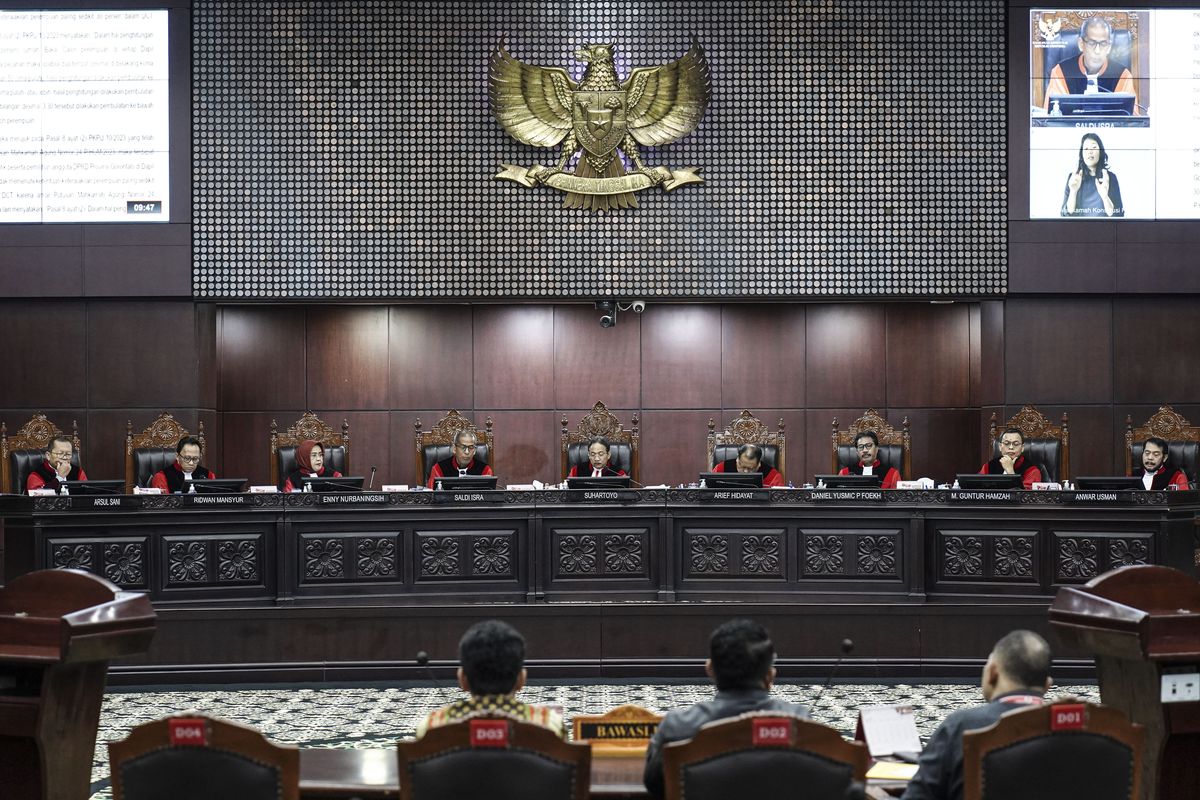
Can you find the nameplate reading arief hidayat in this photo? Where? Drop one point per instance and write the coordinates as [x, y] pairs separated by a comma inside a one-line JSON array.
[[734, 496]]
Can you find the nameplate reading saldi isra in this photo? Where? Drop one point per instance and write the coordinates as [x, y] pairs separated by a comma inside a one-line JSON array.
[[467, 497]]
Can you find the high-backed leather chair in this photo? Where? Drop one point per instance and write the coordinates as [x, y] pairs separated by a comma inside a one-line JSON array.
[[153, 449], [1183, 441], [468, 759], [723, 760], [437, 443], [895, 446], [746, 428], [1054, 751], [309, 426], [623, 443], [1124, 47], [231, 761], [1046, 444], [21, 453]]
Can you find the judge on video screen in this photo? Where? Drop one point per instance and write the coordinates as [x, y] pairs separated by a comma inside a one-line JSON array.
[[1092, 72], [1092, 189]]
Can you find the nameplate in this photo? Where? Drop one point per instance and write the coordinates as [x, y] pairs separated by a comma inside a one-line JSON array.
[[992, 496], [1099, 496], [216, 500], [601, 495], [638, 732], [466, 496], [102, 502], [352, 498], [847, 495], [734, 496]]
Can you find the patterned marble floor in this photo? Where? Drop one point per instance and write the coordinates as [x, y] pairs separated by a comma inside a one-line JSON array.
[[376, 716]]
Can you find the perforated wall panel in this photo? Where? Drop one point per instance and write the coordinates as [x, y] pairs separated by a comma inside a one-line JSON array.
[[346, 150]]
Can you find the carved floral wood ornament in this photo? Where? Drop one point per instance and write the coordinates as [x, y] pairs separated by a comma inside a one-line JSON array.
[[602, 116], [746, 428]]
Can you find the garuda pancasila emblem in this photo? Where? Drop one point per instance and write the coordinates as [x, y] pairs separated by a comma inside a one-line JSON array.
[[601, 116]]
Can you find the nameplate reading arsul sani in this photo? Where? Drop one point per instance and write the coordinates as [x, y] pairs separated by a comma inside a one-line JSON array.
[[771, 732], [489, 733], [187, 732], [1067, 717]]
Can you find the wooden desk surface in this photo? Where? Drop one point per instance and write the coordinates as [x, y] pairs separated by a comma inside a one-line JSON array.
[[326, 774]]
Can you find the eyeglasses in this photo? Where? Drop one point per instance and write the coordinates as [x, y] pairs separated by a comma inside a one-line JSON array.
[[61, 454], [189, 459], [868, 446], [1010, 443], [1096, 44]]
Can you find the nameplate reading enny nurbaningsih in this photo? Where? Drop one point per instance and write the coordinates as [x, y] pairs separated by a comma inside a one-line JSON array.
[[352, 498]]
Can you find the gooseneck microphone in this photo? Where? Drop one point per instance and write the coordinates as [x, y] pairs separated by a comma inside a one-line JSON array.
[[370, 485], [423, 661], [847, 648]]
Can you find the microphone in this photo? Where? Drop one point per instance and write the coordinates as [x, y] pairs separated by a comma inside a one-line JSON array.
[[370, 485], [847, 648], [423, 661]]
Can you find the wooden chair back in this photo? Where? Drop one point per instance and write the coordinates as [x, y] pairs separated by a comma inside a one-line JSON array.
[[1046, 444], [1183, 440], [746, 428], [895, 445], [309, 426], [436, 444], [24, 450], [153, 448], [624, 442]]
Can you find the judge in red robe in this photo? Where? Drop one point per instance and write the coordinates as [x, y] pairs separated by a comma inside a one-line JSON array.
[[186, 466], [599, 465], [56, 467], [1156, 473], [867, 445], [749, 459], [310, 458], [1012, 460], [461, 462]]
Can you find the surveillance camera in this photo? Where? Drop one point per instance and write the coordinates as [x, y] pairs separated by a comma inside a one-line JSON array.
[[608, 320], [638, 306]]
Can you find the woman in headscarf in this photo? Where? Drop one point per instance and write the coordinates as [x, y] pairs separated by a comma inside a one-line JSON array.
[[310, 455]]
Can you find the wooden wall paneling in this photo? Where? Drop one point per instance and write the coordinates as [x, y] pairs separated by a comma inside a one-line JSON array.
[[1094, 451], [369, 442], [943, 440], [402, 462], [845, 356], [206, 350], [137, 260], [681, 347], [975, 377], [526, 444], [430, 361], [762, 356], [514, 357], [106, 435], [261, 356], [142, 354], [1157, 266], [1083, 265], [795, 427], [928, 355], [43, 347], [347, 349], [985, 421], [214, 437], [51, 271], [991, 352], [1153, 349], [1058, 351], [246, 442], [674, 449], [590, 361]]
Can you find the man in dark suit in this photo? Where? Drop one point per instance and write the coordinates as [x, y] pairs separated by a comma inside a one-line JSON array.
[[742, 664], [1017, 674]]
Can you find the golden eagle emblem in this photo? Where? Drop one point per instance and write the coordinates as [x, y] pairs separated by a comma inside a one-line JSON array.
[[602, 116]]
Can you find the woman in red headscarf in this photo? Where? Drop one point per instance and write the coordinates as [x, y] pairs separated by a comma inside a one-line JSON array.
[[310, 455]]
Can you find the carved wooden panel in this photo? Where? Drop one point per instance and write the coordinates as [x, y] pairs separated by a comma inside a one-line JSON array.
[[478, 555], [1080, 556], [591, 553], [824, 554], [977, 555], [211, 559], [125, 563], [376, 557], [72, 554], [735, 553], [329, 557], [492, 556], [878, 555]]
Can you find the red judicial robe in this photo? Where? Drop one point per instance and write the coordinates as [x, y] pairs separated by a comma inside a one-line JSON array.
[[44, 476], [170, 480], [771, 476], [1164, 477], [609, 471], [889, 478], [448, 468], [1029, 472], [295, 481]]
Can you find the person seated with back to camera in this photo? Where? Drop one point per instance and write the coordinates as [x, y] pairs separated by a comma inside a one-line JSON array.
[[310, 460], [741, 662], [867, 445], [750, 459], [56, 467], [599, 466], [491, 656]]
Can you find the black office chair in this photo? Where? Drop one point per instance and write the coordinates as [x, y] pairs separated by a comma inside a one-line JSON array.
[[153, 449], [22, 452], [494, 757], [437, 443], [194, 757], [1046, 444], [746, 429], [283, 446], [734, 758], [623, 443], [1183, 441], [1031, 754], [895, 445]]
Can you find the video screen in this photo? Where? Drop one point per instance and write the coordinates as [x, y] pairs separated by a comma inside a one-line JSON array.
[[84, 131], [1114, 112]]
